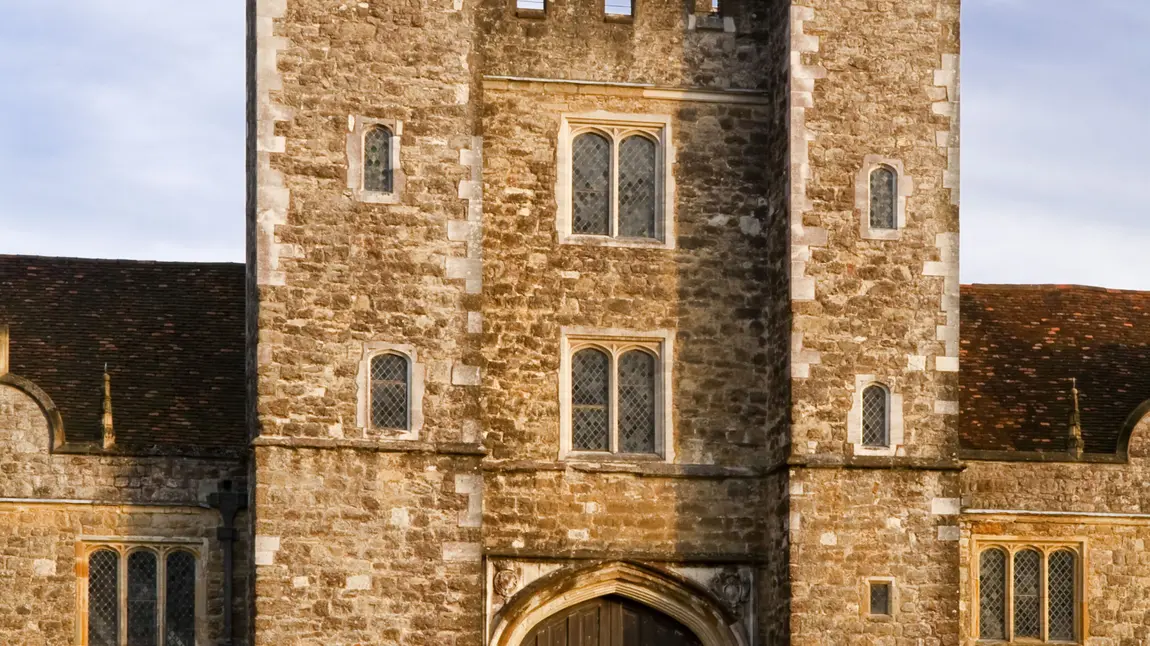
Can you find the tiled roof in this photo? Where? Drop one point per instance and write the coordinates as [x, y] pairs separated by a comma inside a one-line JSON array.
[[171, 335], [1022, 345]]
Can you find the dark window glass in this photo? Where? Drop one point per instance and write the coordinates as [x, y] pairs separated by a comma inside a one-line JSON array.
[[1061, 596], [377, 160], [142, 598], [104, 598], [590, 394], [389, 392], [1027, 587], [992, 594], [637, 187], [591, 184], [875, 417], [880, 598], [883, 198], [637, 402], [180, 603]]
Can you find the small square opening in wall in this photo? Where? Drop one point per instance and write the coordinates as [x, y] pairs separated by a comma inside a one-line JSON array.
[[880, 598], [619, 8], [531, 8]]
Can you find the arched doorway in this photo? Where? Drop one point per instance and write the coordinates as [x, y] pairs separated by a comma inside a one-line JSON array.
[[611, 621]]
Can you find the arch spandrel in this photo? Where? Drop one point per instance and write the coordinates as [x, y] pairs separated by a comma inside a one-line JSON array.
[[52, 419], [674, 596]]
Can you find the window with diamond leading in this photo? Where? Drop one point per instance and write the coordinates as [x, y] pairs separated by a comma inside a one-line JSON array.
[[613, 399], [876, 416], [140, 595], [617, 188], [1028, 593], [377, 171], [390, 384], [880, 598], [883, 198]]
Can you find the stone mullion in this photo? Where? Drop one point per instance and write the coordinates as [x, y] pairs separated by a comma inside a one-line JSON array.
[[161, 594], [614, 184], [613, 400], [1044, 595], [122, 594], [1010, 594]]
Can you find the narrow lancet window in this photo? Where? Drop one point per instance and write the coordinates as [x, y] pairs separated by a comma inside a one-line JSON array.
[[876, 416], [637, 205], [637, 402], [590, 400], [992, 594], [883, 198], [377, 167], [180, 600], [1027, 587], [1061, 599], [591, 184], [389, 392], [104, 598], [142, 598]]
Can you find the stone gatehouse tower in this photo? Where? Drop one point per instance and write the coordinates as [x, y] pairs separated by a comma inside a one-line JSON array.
[[570, 298]]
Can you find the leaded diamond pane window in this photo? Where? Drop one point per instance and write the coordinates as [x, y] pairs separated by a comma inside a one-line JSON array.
[[637, 402], [104, 598], [141, 595], [617, 182], [876, 416], [637, 196], [389, 392], [142, 598], [880, 601], [590, 397], [180, 601], [615, 390], [992, 594], [1061, 595], [591, 184], [377, 171], [1035, 588], [884, 198], [1027, 604]]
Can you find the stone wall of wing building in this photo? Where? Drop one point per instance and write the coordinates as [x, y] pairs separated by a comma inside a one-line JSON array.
[[54, 506]]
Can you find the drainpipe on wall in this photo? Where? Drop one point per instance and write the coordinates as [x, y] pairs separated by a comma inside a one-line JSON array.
[[229, 503]]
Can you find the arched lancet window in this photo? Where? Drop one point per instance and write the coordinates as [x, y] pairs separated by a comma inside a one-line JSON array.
[[1061, 598], [591, 184], [377, 170], [104, 598], [142, 598], [180, 599], [1027, 594], [389, 392], [992, 594], [590, 400], [637, 195], [637, 402], [883, 198], [876, 416]]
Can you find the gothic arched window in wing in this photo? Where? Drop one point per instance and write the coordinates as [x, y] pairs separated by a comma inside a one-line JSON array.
[[876, 416]]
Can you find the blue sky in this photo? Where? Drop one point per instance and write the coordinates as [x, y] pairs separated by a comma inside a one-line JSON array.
[[139, 106]]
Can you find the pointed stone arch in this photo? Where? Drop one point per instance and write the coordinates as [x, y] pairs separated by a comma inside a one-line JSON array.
[[676, 597], [1135, 420]]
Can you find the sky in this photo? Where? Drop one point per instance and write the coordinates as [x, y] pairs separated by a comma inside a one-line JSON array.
[[122, 135]]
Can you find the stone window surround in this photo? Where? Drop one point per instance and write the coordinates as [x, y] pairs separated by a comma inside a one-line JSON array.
[[864, 604], [615, 342], [704, 17], [862, 197], [357, 128], [896, 429], [1045, 546], [416, 376], [617, 126], [124, 545]]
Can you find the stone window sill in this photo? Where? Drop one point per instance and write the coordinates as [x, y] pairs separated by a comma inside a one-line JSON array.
[[607, 241], [618, 19]]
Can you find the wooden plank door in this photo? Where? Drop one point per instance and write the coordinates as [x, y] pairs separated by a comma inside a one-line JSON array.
[[611, 621]]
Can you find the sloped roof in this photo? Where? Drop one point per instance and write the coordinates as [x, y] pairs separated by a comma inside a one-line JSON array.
[[1021, 347], [170, 333]]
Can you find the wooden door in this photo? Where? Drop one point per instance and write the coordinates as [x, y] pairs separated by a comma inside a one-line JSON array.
[[611, 621]]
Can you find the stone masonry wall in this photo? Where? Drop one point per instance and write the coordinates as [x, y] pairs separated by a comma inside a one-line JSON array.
[[873, 80], [850, 525], [48, 502]]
